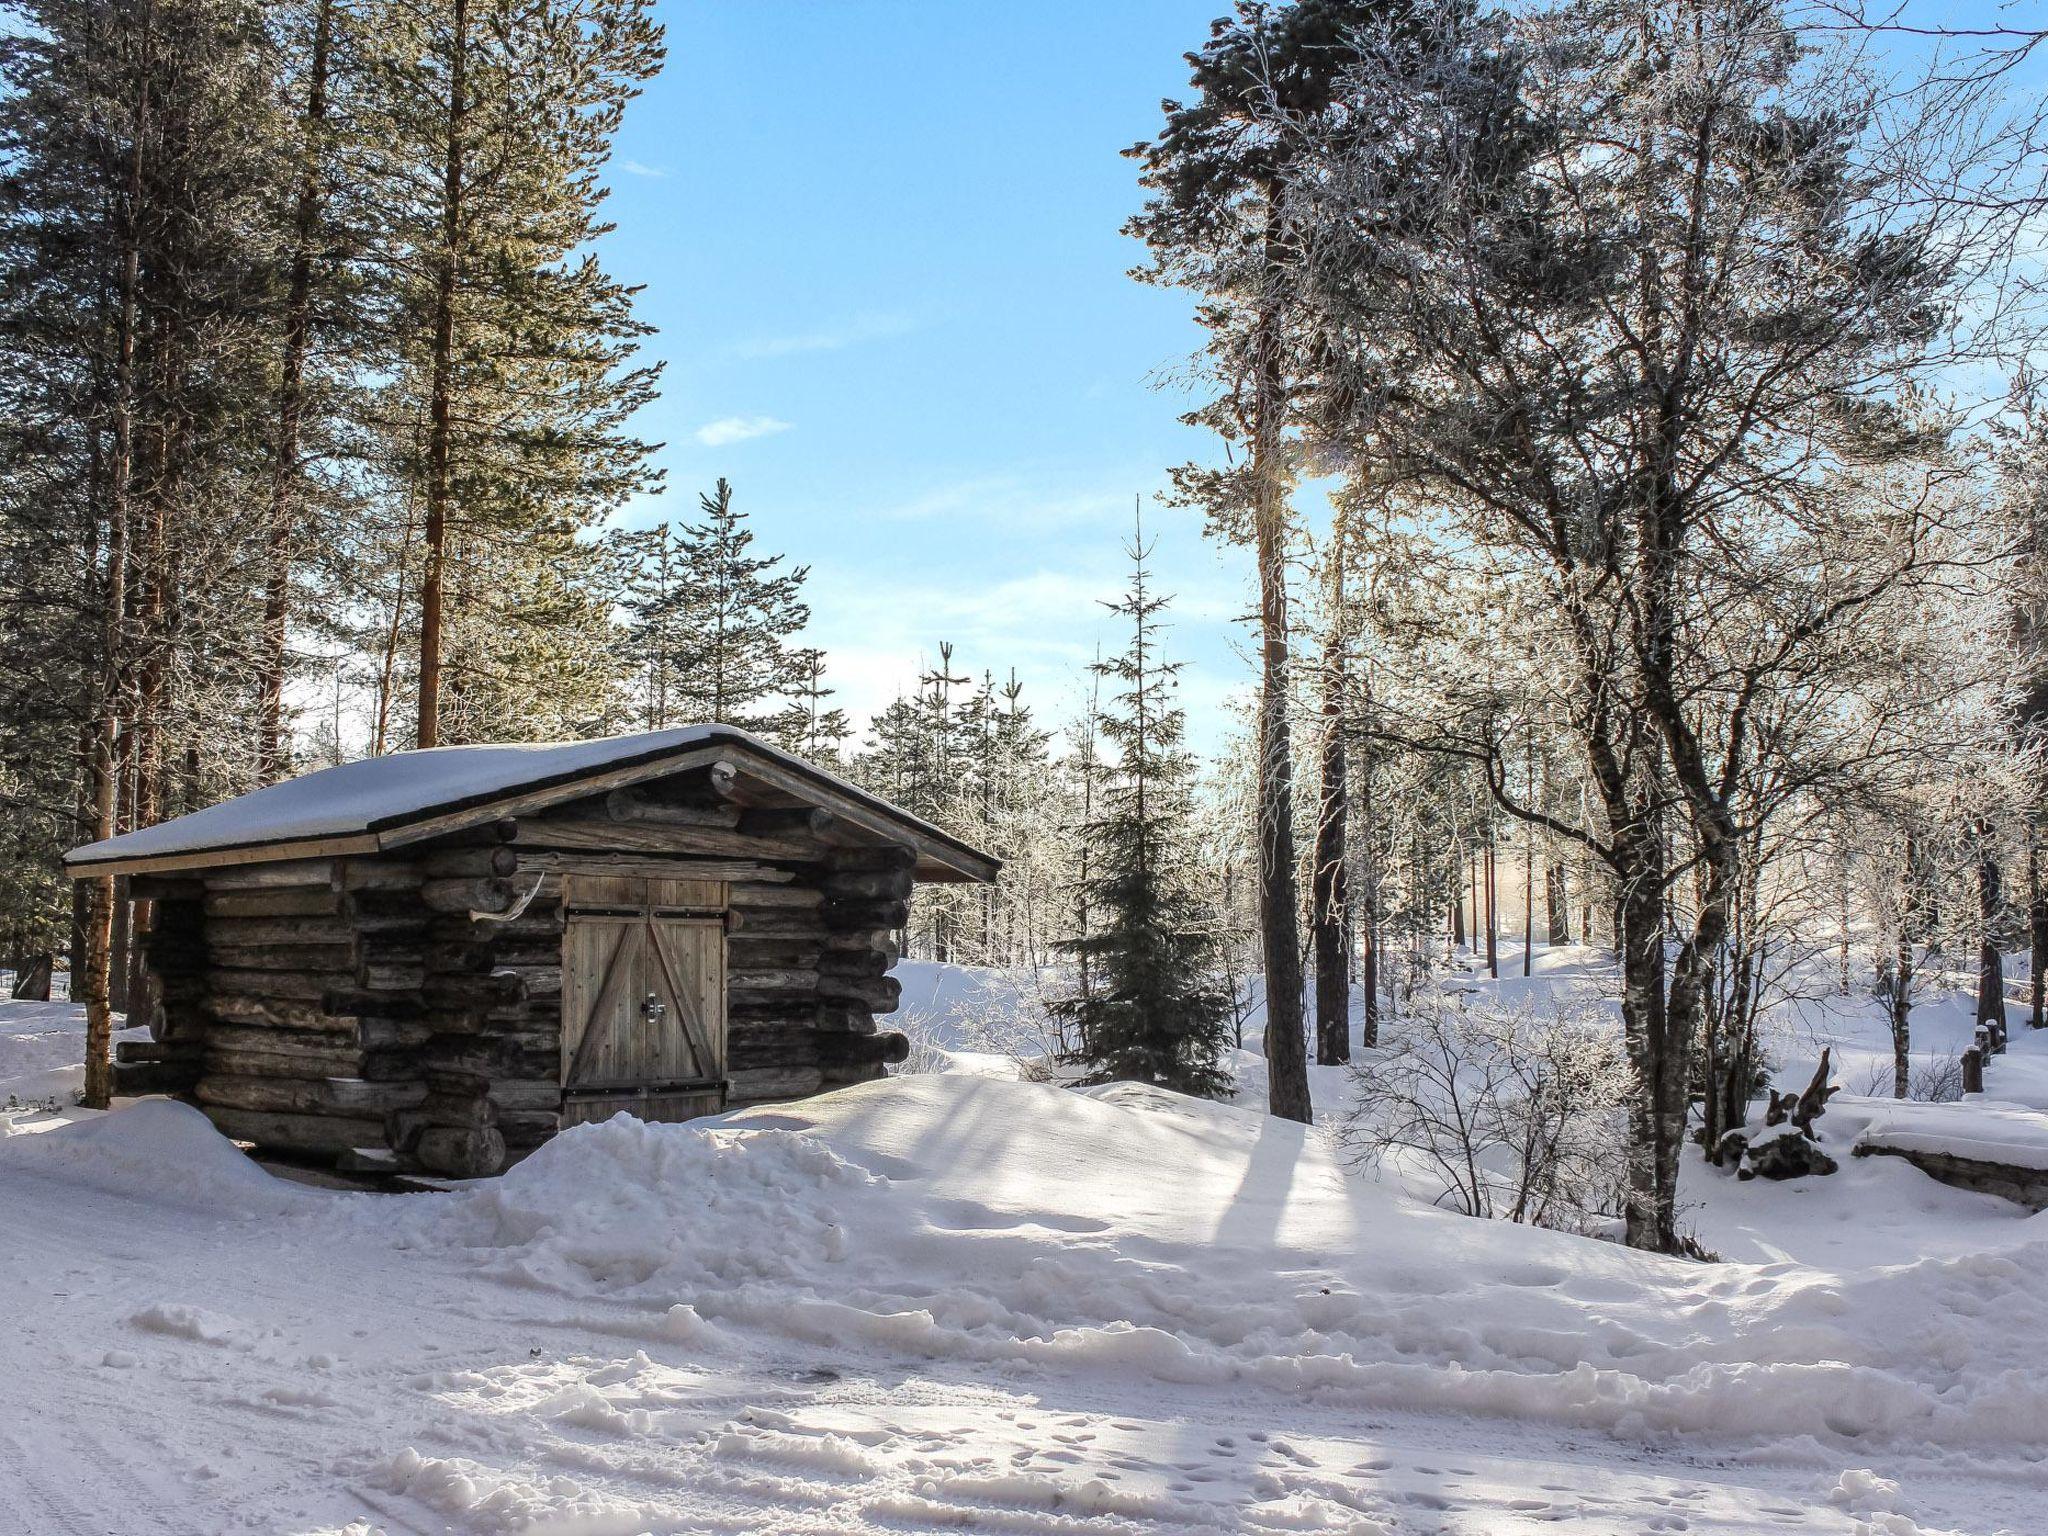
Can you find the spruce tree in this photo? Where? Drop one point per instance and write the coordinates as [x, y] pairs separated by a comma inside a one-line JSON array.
[[809, 726], [728, 621], [1153, 1011]]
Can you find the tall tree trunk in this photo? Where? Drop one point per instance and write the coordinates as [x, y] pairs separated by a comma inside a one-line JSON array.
[[1368, 898], [1330, 898], [284, 509], [1529, 868], [1286, 1049], [1639, 917], [1901, 1000], [441, 397], [92, 986], [1990, 963], [1559, 917], [2037, 926], [1492, 917]]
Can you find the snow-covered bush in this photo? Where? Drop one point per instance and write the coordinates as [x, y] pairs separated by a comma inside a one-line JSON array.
[[964, 1010], [1517, 1114], [1930, 1079]]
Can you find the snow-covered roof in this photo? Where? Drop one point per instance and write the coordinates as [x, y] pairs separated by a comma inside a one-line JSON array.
[[354, 807]]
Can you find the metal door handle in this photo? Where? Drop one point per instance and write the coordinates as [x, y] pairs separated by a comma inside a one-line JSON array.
[[654, 1008]]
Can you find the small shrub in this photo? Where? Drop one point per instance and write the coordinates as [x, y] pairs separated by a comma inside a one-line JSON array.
[[1930, 1079], [1518, 1114]]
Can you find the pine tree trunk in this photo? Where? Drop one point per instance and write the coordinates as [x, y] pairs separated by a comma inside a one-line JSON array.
[[441, 398], [1990, 963], [2037, 927], [1368, 902], [1529, 870], [1559, 917], [1330, 886], [1901, 1000], [91, 986], [1286, 1049], [1492, 917], [291, 399]]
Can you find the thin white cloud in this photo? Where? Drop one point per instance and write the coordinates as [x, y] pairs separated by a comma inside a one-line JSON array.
[[738, 429], [639, 168], [873, 326]]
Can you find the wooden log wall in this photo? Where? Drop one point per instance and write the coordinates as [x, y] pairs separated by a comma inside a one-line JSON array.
[[408, 1007]]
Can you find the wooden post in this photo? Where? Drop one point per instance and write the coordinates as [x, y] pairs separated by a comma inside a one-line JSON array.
[[1973, 1070]]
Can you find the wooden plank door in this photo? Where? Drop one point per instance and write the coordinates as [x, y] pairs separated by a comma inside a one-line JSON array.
[[643, 1013]]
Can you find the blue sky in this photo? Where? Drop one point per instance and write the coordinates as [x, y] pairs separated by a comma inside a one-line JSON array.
[[880, 242]]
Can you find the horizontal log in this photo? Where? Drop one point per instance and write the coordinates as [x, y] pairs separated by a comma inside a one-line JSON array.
[[758, 1083], [166, 888], [529, 1093], [779, 1045], [879, 884], [487, 990], [498, 861], [839, 1014], [333, 1095], [793, 1009], [746, 895], [874, 941], [293, 986], [289, 959], [878, 994], [351, 1001], [838, 1050], [791, 998], [342, 1061], [392, 1035], [855, 963], [875, 856], [288, 901], [478, 1053], [534, 861], [468, 894], [267, 876], [475, 951], [811, 821], [661, 837], [276, 1013], [139, 1051], [746, 952], [137, 1079], [721, 781], [298, 1133], [283, 1042], [392, 975], [525, 1129], [370, 910], [323, 928], [846, 912], [461, 1152], [383, 874], [635, 805]]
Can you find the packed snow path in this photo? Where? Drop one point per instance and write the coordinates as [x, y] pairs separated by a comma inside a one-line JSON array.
[[954, 1304]]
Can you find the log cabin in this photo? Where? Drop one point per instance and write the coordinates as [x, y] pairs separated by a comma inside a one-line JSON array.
[[433, 961]]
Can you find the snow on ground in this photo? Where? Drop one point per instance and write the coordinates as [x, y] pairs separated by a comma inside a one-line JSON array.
[[953, 1302], [42, 1050]]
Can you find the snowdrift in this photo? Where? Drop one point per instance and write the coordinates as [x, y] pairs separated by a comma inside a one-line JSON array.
[[1131, 1231]]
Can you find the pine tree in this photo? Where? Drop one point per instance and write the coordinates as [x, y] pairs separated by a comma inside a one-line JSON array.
[[811, 727], [729, 621], [1216, 222], [487, 125], [1153, 1011]]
